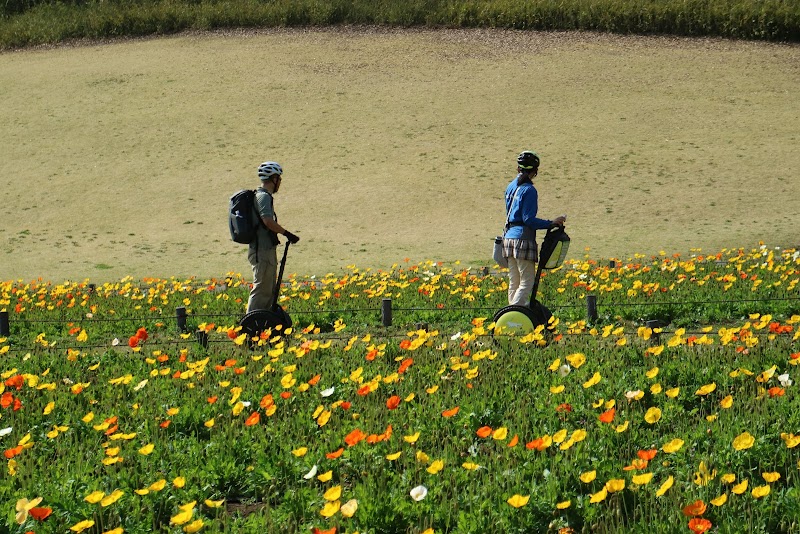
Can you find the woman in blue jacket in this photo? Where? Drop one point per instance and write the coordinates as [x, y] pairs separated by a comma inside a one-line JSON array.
[[519, 240]]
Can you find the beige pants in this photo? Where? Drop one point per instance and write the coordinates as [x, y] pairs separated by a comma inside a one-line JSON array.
[[521, 276], [265, 274]]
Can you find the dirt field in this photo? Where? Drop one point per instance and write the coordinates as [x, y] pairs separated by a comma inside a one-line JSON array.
[[119, 158]]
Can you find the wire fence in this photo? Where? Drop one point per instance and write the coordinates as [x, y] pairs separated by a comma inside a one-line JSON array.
[[386, 313]]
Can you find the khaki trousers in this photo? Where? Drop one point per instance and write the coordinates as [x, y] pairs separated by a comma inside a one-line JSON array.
[[265, 273], [521, 276]]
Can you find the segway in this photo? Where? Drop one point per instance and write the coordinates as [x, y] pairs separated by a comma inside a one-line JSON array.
[[275, 318], [520, 320]]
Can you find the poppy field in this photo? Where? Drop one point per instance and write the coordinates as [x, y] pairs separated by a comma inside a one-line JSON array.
[[115, 419]]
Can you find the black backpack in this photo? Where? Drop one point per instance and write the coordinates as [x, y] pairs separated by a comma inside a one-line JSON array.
[[243, 220]]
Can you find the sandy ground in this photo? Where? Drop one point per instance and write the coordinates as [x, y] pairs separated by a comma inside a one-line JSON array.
[[119, 157]]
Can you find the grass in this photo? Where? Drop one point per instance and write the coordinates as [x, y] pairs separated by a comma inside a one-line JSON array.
[[32, 22], [395, 144]]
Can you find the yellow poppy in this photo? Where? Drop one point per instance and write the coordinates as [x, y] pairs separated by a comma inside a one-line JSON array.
[[518, 501], [665, 486], [743, 441], [653, 415], [588, 476]]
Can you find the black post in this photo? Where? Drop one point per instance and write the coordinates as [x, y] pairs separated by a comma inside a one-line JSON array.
[[655, 338], [612, 264], [591, 308], [5, 329], [180, 314], [202, 338], [386, 312], [485, 271], [92, 288]]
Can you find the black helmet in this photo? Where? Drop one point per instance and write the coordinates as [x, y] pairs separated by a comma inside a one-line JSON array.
[[528, 161]]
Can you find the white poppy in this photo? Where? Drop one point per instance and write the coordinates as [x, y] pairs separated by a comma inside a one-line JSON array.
[[5, 431], [785, 380], [419, 493], [311, 474], [327, 392], [564, 370]]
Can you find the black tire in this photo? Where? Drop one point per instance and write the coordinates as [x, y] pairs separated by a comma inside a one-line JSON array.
[[257, 321]]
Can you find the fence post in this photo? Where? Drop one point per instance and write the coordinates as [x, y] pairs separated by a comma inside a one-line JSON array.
[[92, 288], [180, 315], [485, 271], [612, 264], [655, 337], [5, 329], [386, 312], [202, 338], [591, 308]]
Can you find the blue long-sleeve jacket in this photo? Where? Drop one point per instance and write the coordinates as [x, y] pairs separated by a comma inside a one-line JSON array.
[[523, 209]]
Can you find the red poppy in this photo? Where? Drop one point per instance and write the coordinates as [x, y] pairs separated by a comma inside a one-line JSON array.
[[316, 530], [405, 344], [165, 424], [363, 390], [346, 405], [285, 395], [451, 412], [393, 402], [232, 333], [6, 399], [40, 513], [142, 334], [564, 407], [133, 342], [335, 454], [608, 415]]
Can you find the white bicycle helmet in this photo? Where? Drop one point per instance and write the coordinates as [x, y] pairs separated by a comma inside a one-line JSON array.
[[268, 169]]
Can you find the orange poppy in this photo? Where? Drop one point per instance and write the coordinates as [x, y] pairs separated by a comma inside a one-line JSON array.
[[698, 525], [316, 530], [484, 432], [253, 419], [404, 365], [285, 395], [10, 453], [647, 455], [371, 355], [335, 454], [537, 444], [698, 507], [165, 424], [451, 412], [393, 402], [266, 401], [313, 381], [212, 400], [514, 441], [405, 344], [230, 362], [608, 415], [776, 391], [354, 437], [363, 390], [15, 381], [6, 399]]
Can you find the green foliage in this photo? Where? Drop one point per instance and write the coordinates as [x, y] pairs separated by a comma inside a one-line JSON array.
[[31, 22]]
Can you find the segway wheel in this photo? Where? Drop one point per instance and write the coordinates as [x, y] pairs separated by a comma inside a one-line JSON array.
[[521, 320], [258, 321]]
